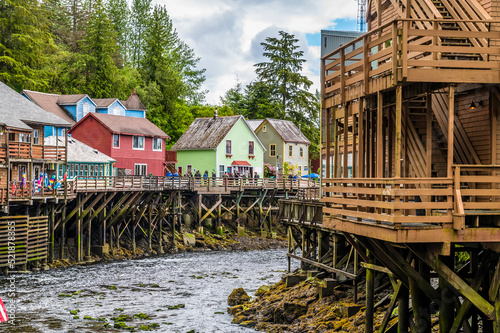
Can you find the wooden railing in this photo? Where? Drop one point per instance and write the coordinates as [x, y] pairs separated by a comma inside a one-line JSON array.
[[19, 150], [208, 184], [27, 151], [391, 202], [477, 192], [405, 50]]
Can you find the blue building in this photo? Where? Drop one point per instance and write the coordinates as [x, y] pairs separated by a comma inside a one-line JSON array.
[[72, 108]]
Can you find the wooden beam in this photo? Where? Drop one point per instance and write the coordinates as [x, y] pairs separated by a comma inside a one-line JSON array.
[[380, 145], [322, 266], [390, 309], [398, 130], [75, 210], [451, 128], [456, 282]]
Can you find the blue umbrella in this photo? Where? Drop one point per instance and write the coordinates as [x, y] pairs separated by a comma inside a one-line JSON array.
[[313, 176]]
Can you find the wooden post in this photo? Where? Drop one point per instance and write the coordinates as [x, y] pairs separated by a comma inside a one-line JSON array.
[[397, 131], [79, 233], [63, 233], [346, 140], [150, 227], [451, 127], [336, 166], [420, 302], [446, 308], [328, 139], [160, 233], [370, 291], [403, 310], [428, 135], [89, 240], [52, 233], [380, 145], [361, 135], [290, 246], [354, 145]]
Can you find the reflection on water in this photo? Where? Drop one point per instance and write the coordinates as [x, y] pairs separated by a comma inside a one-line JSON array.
[[156, 287]]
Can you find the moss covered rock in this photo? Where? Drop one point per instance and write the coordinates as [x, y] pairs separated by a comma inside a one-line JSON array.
[[237, 297]]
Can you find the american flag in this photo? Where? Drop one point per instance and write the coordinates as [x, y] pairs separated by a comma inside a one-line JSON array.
[[3, 312]]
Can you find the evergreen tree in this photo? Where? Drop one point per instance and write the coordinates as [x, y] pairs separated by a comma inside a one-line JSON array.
[[25, 42], [119, 13], [100, 45], [282, 72], [139, 22]]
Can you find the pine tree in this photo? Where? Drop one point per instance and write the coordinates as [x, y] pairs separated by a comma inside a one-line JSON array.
[[100, 45], [282, 73], [139, 22], [119, 13], [25, 42]]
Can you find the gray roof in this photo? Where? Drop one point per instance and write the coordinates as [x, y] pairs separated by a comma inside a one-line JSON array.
[[206, 133], [18, 112], [254, 123], [288, 131], [79, 151]]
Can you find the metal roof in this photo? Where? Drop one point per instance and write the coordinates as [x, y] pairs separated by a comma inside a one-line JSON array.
[[48, 102], [126, 125], [18, 112], [79, 151], [206, 133], [254, 123], [287, 130]]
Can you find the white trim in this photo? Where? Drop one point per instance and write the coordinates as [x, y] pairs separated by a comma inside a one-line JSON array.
[[113, 141], [253, 153], [143, 142], [153, 144], [141, 164]]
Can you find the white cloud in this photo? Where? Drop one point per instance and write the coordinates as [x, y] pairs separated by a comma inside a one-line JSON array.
[[226, 34]]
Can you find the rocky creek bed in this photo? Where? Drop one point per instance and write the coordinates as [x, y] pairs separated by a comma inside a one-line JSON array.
[[184, 292]]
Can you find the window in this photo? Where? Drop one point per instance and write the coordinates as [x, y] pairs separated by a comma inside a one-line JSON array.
[[138, 142], [189, 168], [36, 137], [140, 169], [21, 137], [228, 147], [272, 150], [116, 140], [222, 169], [12, 137], [264, 129], [301, 152], [116, 110], [157, 144], [86, 108], [251, 147], [290, 150]]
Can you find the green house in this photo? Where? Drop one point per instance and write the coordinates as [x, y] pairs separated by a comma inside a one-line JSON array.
[[220, 145]]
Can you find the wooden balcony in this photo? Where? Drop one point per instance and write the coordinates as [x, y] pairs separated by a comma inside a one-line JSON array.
[[170, 156], [464, 208], [411, 50], [23, 150]]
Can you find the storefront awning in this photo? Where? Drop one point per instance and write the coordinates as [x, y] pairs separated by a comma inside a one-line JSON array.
[[245, 163]]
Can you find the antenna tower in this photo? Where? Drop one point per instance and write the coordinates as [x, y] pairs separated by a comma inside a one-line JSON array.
[[361, 14]]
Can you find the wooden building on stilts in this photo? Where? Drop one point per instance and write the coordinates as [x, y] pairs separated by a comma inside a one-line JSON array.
[[414, 103]]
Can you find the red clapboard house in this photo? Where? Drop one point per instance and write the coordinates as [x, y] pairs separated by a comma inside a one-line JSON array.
[[137, 145]]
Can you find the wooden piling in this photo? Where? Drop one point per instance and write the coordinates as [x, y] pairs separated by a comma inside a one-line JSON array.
[[370, 291]]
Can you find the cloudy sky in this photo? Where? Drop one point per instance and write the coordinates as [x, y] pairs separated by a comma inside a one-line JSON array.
[[226, 34]]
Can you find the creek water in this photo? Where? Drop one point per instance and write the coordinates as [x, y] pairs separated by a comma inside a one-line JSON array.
[[201, 281]]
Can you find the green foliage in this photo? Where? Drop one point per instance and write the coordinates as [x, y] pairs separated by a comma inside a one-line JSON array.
[[25, 44], [280, 91], [100, 45]]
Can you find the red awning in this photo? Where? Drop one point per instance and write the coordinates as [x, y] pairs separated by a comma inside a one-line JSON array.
[[241, 163]]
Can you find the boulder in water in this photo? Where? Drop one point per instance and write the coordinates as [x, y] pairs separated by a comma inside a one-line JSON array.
[[237, 297]]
